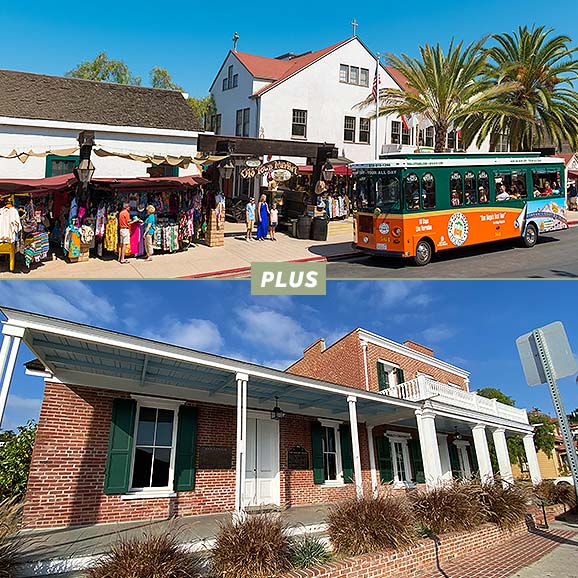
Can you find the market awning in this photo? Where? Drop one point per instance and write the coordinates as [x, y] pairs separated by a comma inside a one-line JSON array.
[[573, 174], [155, 159], [150, 183], [341, 170], [38, 186]]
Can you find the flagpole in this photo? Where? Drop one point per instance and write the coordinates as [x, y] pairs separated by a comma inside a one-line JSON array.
[[378, 56]]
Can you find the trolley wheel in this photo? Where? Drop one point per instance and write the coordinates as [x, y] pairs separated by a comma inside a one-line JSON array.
[[530, 236], [423, 253]]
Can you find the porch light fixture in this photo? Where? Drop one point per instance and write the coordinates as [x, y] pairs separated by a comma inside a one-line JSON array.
[[328, 171], [226, 170], [84, 171], [457, 435], [277, 413]]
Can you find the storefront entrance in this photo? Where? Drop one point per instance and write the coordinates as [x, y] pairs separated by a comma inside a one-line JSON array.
[[262, 470]]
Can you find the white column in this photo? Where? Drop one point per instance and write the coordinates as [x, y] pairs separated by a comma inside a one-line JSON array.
[[372, 464], [241, 457], [445, 457], [12, 337], [532, 459], [352, 401], [482, 453], [364, 350], [428, 439], [504, 465]]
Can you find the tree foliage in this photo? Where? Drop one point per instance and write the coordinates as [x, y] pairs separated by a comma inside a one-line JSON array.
[[203, 107], [105, 69], [15, 457], [494, 393], [161, 78]]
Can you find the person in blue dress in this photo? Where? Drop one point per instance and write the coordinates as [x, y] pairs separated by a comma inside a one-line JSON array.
[[263, 216]]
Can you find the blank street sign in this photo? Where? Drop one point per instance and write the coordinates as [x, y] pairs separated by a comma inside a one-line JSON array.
[[561, 356]]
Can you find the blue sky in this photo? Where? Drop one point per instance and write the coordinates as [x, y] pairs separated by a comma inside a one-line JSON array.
[[470, 324], [191, 39]]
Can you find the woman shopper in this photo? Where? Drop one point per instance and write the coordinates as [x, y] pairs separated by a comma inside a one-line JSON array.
[[263, 216], [149, 231]]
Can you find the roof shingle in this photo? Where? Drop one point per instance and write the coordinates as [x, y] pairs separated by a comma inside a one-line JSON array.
[[40, 97]]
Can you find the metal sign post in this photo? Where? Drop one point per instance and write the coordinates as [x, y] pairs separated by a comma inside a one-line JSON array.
[[546, 355]]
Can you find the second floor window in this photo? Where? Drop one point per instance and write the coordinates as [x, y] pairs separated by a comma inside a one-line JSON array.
[[388, 375], [299, 123], [429, 136], [353, 75], [364, 125], [242, 122], [231, 80], [349, 129], [395, 132]]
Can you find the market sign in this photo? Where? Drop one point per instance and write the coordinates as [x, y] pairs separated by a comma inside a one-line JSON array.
[[253, 163], [273, 166]]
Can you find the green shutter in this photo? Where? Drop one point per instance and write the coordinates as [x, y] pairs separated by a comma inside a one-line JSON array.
[[317, 452], [186, 449], [382, 376], [400, 375], [416, 461], [384, 460], [120, 444], [454, 461], [346, 453], [473, 460]]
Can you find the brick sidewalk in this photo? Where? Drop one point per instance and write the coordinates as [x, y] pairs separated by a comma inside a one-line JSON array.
[[503, 560]]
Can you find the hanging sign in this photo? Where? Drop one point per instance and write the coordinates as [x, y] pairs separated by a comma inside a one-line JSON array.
[[251, 172], [253, 163]]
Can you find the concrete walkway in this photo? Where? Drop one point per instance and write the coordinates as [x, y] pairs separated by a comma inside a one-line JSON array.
[[200, 261]]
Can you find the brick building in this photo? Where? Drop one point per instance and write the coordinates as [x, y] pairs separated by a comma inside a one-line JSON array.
[[135, 429]]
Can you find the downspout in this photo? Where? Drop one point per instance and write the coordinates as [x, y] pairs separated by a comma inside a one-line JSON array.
[[365, 364]]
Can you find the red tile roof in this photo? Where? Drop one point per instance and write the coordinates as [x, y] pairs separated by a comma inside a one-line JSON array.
[[398, 77], [278, 70]]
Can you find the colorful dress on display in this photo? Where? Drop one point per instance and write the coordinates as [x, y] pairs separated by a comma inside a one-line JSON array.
[[263, 226], [111, 235]]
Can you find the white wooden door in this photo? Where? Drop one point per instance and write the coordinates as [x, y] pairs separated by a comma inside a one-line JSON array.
[[262, 471]]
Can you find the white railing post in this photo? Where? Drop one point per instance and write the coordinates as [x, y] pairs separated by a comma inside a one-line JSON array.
[[11, 341], [241, 447], [422, 387], [352, 402]]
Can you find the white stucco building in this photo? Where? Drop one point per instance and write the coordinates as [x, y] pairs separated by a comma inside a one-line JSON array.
[[43, 115]]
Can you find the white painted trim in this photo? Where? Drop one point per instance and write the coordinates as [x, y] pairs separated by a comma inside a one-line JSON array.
[[329, 422], [397, 435], [411, 353], [148, 495], [158, 402], [78, 126]]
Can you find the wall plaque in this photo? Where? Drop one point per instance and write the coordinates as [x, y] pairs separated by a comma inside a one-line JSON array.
[[298, 458], [215, 458]]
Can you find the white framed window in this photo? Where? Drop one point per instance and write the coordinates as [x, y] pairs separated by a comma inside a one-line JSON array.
[[353, 75], [364, 77], [299, 124], [343, 73], [154, 452], [463, 458], [331, 444], [402, 475], [388, 374], [395, 134], [349, 129], [231, 80], [364, 129], [429, 136]]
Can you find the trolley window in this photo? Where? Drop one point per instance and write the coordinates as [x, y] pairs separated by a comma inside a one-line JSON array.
[[470, 189], [428, 185], [411, 192], [483, 187], [456, 189]]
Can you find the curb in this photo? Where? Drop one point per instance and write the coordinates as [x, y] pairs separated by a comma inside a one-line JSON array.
[[241, 270]]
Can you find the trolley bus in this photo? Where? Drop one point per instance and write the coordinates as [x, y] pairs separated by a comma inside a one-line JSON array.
[[415, 205]]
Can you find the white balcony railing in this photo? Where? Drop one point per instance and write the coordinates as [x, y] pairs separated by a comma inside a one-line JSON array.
[[423, 388]]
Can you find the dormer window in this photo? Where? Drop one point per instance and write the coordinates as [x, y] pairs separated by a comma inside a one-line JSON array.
[[231, 80], [353, 75]]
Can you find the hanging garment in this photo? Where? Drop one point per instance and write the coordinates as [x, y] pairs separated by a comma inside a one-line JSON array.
[[100, 228], [111, 235], [10, 224], [36, 248], [73, 235]]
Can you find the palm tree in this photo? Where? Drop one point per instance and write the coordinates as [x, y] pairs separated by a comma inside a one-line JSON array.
[[445, 88], [541, 69]]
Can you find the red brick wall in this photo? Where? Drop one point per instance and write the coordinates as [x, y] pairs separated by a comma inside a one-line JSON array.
[[411, 561], [343, 363], [66, 479]]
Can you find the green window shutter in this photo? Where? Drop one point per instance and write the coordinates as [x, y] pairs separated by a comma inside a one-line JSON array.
[[416, 461], [454, 460], [186, 449], [384, 460], [400, 375], [317, 452], [473, 459], [120, 444], [346, 453], [382, 376]]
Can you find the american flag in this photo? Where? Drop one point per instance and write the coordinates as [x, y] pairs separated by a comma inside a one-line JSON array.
[[375, 83]]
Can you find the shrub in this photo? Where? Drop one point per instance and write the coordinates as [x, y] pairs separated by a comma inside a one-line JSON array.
[[505, 506], [257, 547], [448, 509], [308, 551], [565, 494], [10, 513], [546, 491], [15, 456], [149, 557], [364, 525]]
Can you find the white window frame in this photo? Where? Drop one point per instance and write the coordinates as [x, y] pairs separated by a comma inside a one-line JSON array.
[[339, 480], [391, 370], [465, 468], [155, 403], [403, 439], [352, 129], [300, 124], [368, 131], [395, 124]]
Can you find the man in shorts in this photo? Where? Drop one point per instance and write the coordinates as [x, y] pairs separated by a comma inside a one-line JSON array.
[[250, 217], [124, 223]]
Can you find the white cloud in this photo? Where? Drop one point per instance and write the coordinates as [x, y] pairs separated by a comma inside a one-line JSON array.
[[272, 330], [71, 300], [19, 410], [200, 334], [387, 294], [438, 333]]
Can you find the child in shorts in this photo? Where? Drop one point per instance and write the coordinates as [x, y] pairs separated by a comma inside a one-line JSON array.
[[274, 221]]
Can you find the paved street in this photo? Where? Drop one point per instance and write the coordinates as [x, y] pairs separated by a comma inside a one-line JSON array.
[[555, 256]]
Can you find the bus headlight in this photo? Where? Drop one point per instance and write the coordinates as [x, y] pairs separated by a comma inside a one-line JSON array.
[[396, 232]]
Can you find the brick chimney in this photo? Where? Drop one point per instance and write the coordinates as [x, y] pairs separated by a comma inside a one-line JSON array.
[[316, 348], [418, 347]]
